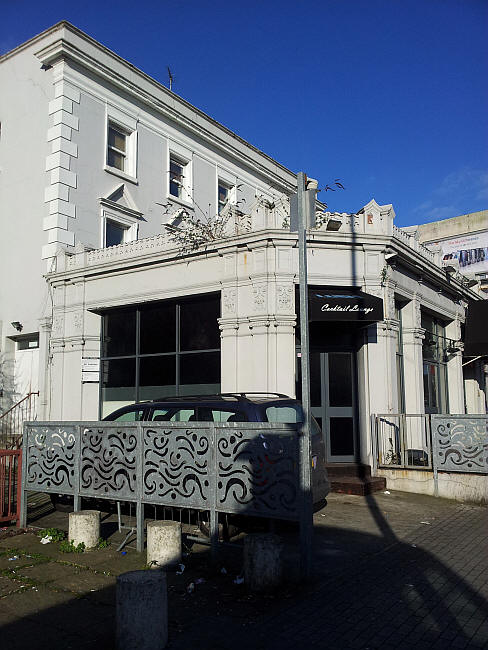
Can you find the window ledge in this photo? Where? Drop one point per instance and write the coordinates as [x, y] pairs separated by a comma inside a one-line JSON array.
[[183, 202], [121, 174]]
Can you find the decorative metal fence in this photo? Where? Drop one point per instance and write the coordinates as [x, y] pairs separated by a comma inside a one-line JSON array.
[[451, 443], [460, 443], [246, 468]]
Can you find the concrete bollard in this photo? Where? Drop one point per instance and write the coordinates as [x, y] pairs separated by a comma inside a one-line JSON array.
[[84, 526], [142, 610], [163, 543], [263, 561]]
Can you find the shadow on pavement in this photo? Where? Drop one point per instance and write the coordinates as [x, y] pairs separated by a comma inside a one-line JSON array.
[[368, 591]]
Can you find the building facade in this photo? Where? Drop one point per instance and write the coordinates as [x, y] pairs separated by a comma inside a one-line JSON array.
[[124, 308]]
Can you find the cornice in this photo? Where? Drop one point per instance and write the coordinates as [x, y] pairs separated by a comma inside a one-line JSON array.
[[164, 101]]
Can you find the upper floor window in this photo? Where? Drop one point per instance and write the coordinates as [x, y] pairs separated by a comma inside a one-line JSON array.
[[223, 197], [121, 144], [117, 148], [177, 169]]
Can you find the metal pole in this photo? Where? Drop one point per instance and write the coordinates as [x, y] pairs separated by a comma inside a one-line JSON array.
[[306, 514]]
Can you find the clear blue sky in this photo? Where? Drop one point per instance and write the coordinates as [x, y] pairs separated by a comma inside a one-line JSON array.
[[390, 96]]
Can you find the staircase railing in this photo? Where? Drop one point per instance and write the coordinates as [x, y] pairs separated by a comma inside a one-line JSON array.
[[12, 420]]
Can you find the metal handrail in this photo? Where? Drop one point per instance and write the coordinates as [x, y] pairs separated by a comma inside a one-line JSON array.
[[11, 421], [2, 415]]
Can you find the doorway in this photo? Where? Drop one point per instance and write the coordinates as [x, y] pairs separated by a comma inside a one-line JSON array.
[[333, 402]]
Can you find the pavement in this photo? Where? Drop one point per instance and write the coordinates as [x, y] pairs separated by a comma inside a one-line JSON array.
[[390, 570]]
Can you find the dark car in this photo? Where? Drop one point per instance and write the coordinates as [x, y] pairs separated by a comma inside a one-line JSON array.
[[234, 407]]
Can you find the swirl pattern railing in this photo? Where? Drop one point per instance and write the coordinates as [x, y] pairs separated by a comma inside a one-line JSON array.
[[449, 443], [249, 468], [460, 443]]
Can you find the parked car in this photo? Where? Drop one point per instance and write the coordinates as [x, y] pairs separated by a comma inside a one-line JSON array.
[[228, 407], [234, 407]]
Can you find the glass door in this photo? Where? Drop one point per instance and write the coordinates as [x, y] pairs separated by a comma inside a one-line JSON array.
[[333, 402]]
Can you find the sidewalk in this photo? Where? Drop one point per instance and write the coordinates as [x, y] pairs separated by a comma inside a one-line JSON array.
[[390, 571]]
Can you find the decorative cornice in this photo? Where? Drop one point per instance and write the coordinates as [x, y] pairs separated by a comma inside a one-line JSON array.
[[163, 100]]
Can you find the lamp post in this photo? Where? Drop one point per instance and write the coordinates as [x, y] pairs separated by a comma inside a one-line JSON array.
[[302, 216]]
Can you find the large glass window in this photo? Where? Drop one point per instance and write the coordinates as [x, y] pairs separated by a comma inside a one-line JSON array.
[[434, 355], [399, 360], [159, 350]]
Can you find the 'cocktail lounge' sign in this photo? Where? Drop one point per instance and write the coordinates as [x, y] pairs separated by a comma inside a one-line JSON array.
[[344, 305]]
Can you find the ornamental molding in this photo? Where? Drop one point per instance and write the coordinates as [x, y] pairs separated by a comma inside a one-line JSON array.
[[284, 297], [259, 295], [229, 301]]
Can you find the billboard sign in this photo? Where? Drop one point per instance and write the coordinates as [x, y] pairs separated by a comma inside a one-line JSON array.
[[471, 251]]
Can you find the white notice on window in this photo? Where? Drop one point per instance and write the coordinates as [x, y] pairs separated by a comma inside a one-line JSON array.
[[90, 369]]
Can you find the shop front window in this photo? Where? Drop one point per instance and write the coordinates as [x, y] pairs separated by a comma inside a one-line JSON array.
[[159, 350]]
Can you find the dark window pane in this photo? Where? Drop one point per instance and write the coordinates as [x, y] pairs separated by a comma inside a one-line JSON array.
[[116, 139], [157, 377], [158, 328], [116, 159], [198, 324], [341, 437], [174, 189], [119, 333], [340, 380], [200, 373], [118, 384], [114, 234]]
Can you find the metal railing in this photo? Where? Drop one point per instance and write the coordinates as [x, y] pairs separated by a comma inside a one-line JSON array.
[[244, 468], [403, 440], [440, 442], [10, 485], [12, 421]]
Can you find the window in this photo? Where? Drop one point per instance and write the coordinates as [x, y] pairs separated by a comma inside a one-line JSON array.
[[399, 359], [157, 350], [120, 144], [117, 148], [178, 178], [114, 233], [225, 191], [28, 342], [120, 224], [223, 196], [434, 355]]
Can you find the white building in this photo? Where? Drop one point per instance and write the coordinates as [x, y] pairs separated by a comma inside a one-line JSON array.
[[95, 157]]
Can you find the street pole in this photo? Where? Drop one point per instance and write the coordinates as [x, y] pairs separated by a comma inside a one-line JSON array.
[[306, 514]]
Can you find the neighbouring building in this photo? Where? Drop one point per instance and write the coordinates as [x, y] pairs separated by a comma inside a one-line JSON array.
[[101, 304]]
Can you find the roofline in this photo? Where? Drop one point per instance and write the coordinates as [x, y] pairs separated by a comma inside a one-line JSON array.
[[63, 24]]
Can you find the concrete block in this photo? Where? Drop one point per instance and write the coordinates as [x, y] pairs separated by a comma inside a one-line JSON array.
[[163, 543], [59, 131], [68, 147], [62, 117], [142, 610], [56, 191], [84, 526], [263, 562]]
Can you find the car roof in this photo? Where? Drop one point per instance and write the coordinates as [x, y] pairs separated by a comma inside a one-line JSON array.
[[236, 398]]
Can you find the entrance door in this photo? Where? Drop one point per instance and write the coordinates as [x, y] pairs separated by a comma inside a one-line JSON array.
[[333, 401]]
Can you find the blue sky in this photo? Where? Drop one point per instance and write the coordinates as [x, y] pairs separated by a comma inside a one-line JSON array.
[[390, 96]]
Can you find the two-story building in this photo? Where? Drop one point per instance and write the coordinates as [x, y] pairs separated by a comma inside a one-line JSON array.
[[103, 305]]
